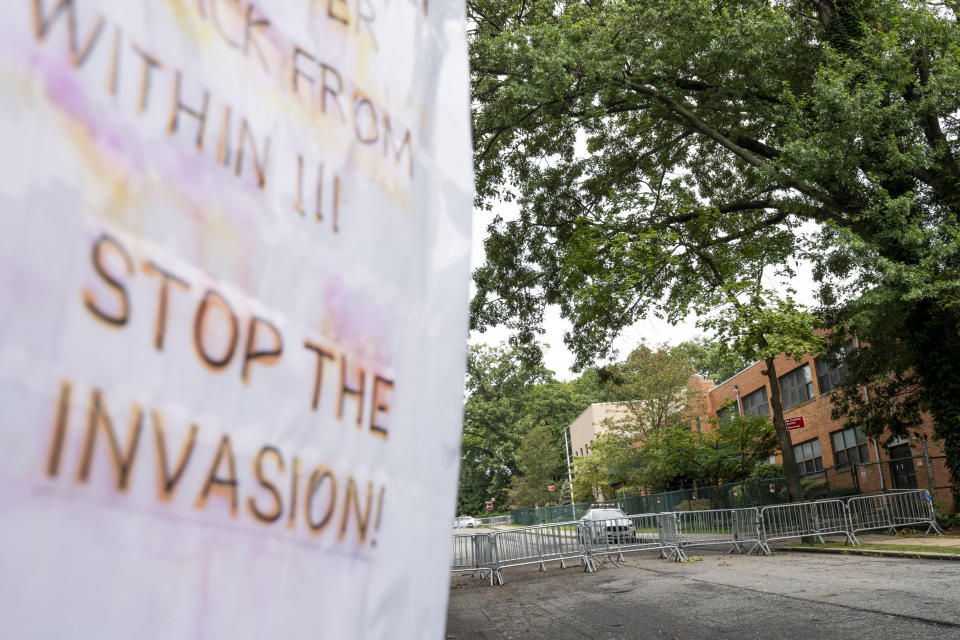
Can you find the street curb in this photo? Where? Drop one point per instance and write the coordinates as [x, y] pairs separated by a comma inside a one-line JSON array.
[[854, 551]]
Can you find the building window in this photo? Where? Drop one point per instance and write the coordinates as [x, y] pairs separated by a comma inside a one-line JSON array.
[[828, 376], [724, 414], [796, 386], [755, 404], [849, 447], [807, 456]]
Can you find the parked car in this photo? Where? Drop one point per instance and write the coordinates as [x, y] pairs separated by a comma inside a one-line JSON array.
[[465, 521], [606, 524]]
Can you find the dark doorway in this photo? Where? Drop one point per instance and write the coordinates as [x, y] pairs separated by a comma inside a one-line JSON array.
[[901, 467]]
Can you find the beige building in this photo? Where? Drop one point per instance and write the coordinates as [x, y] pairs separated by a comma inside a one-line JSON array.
[[590, 424], [599, 416]]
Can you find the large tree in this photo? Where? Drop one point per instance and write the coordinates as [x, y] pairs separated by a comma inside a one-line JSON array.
[[540, 465], [508, 394], [653, 385], [728, 452], [713, 359], [665, 153]]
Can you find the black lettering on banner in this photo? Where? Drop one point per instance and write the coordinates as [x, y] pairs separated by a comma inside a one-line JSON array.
[[199, 329], [166, 480], [216, 484], [42, 21], [103, 243], [317, 478], [122, 459], [346, 390], [266, 356], [264, 482]]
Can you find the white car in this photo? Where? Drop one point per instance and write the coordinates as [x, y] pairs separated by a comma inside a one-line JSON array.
[[465, 521], [607, 524]]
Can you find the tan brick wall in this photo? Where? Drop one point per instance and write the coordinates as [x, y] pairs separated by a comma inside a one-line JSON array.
[[589, 424]]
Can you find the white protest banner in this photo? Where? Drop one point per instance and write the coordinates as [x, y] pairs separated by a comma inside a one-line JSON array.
[[233, 277]]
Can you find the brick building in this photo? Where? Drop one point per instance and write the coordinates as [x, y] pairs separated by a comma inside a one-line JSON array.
[[826, 452], [831, 459]]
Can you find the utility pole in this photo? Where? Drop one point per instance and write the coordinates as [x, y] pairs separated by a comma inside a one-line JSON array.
[[926, 462], [566, 450]]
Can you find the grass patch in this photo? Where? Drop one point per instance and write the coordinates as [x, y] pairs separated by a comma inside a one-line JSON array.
[[913, 548]]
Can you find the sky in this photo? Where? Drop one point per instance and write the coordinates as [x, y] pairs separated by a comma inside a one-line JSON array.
[[655, 331]]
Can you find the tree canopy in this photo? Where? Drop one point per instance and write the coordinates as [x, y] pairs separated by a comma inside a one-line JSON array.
[[539, 462], [728, 452], [508, 396], [670, 156], [713, 359], [653, 386]]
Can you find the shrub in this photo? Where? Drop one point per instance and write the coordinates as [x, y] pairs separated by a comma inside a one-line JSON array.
[[693, 505], [814, 489], [946, 520], [767, 470]]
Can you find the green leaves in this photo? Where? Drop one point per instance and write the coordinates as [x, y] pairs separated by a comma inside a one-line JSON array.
[[510, 395], [664, 457], [713, 359], [656, 146], [538, 460], [671, 157]]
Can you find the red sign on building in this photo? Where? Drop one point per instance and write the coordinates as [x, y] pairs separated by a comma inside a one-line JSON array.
[[794, 423]]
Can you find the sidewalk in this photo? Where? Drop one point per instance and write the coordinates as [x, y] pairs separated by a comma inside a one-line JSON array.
[[930, 547], [923, 541]]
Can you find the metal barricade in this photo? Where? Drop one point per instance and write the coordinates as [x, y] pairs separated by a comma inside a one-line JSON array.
[[747, 528], [720, 527], [832, 518], [892, 510], [473, 554], [593, 543], [805, 519], [604, 539], [537, 545], [494, 521], [785, 521], [669, 529]]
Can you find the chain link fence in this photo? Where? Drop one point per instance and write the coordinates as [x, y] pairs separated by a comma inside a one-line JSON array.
[[591, 543], [916, 472]]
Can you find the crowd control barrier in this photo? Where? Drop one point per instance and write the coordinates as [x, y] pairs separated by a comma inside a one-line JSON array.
[[537, 545], [720, 527], [891, 510], [473, 554], [608, 540], [805, 519], [591, 543]]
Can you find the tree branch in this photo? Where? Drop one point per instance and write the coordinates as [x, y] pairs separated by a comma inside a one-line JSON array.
[[825, 9], [745, 154]]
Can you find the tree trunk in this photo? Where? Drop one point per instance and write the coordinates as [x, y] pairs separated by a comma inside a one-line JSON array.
[[937, 343], [786, 447]]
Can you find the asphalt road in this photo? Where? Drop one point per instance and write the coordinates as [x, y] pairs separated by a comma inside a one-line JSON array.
[[784, 596]]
